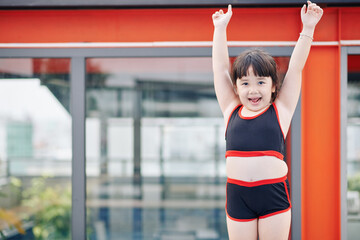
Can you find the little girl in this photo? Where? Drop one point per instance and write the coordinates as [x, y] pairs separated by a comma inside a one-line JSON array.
[[258, 115]]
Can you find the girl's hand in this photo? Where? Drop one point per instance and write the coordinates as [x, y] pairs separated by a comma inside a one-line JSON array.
[[221, 19], [312, 16]]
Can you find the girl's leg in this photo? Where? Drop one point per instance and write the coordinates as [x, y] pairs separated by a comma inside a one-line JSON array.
[[242, 230], [276, 227]]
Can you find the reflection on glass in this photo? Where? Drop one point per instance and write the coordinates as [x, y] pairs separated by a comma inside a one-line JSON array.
[[353, 147], [35, 147], [155, 149]]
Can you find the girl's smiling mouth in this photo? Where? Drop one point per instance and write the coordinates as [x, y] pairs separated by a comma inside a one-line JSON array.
[[255, 100]]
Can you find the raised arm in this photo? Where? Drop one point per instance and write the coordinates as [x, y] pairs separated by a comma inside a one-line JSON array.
[[221, 65], [290, 90]]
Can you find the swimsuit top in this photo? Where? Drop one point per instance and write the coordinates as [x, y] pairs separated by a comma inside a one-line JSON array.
[[260, 135]]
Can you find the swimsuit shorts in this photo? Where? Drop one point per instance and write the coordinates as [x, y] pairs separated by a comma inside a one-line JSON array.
[[247, 201]]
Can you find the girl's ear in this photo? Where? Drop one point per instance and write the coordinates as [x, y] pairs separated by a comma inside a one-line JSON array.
[[273, 88], [235, 90]]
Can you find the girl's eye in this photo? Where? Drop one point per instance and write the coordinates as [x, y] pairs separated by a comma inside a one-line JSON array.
[[261, 82], [244, 84]]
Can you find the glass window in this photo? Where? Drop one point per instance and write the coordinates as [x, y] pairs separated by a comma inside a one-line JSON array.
[[155, 149], [353, 147], [35, 147]]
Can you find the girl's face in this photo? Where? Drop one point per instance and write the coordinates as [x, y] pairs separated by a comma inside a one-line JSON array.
[[254, 91]]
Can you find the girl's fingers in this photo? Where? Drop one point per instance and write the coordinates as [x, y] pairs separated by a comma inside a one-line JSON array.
[[308, 4], [313, 7], [303, 9], [318, 10], [221, 12], [229, 8], [215, 15]]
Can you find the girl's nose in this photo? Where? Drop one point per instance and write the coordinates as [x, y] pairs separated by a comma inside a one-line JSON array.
[[253, 90]]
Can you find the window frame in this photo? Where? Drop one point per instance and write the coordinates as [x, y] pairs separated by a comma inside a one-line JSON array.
[[78, 58], [345, 52]]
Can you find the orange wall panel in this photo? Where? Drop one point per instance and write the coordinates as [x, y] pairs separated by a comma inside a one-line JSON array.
[[144, 25], [265, 25], [328, 27], [147, 25], [321, 145], [106, 25], [350, 22]]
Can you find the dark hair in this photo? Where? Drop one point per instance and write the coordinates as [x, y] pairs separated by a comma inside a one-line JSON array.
[[262, 64]]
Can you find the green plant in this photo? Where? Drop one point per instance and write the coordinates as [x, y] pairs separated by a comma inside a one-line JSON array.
[[354, 183], [47, 205], [7, 216], [51, 206]]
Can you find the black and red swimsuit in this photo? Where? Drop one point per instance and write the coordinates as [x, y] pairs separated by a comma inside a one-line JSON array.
[[260, 135]]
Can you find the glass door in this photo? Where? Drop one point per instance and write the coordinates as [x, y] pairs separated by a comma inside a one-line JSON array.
[[155, 149], [35, 148], [353, 147]]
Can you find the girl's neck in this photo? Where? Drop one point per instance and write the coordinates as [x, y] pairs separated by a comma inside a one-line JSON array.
[[248, 113]]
